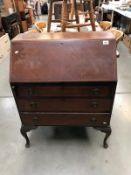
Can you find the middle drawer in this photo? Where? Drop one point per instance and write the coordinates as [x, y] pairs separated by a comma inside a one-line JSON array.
[[65, 105]]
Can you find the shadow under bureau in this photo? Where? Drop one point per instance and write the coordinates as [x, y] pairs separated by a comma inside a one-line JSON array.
[[64, 79]]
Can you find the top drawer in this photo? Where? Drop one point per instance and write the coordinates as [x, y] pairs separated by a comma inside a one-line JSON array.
[[41, 90]]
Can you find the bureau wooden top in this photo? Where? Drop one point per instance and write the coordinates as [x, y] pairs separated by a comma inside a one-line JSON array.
[[63, 57]]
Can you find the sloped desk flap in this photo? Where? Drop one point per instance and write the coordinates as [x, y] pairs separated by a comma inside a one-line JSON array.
[[63, 57]]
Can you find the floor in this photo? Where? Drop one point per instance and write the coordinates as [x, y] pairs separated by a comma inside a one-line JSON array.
[[70, 151]]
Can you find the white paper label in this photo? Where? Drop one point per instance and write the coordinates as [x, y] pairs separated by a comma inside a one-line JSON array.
[[105, 42]]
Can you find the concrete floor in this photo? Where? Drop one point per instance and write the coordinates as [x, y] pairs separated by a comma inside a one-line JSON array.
[[78, 151]]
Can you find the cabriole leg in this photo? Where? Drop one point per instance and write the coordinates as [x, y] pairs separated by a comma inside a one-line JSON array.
[[24, 129], [107, 131]]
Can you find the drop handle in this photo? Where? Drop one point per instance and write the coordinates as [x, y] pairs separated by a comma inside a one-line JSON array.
[[104, 123], [33, 105], [30, 92], [13, 87], [94, 104], [96, 91], [93, 119], [35, 118]]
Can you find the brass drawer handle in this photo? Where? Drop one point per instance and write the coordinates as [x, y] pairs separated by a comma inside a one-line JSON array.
[[96, 91], [33, 105], [30, 92], [93, 119], [94, 104], [35, 118], [104, 123], [13, 87]]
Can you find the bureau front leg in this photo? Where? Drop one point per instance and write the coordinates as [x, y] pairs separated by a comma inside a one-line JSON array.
[[107, 131], [24, 129]]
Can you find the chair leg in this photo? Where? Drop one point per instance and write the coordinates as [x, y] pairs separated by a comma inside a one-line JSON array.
[[49, 16], [81, 6], [76, 15], [72, 9], [64, 16], [91, 14]]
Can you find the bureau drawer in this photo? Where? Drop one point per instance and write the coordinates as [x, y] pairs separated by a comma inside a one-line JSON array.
[[65, 105], [54, 119], [56, 90]]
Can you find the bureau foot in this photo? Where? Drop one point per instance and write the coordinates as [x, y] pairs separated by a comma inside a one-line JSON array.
[[24, 129], [107, 131]]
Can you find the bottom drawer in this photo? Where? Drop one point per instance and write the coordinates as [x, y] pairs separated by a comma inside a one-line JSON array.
[[55, 119]]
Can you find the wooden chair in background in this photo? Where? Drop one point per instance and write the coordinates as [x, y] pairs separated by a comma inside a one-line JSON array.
[[105, 25], [118, 36], [64, 20], [50, 14], [40, 26], [69, 17]]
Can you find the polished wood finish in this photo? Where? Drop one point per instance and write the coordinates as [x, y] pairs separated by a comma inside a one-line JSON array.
[[57, 119], [65, 104], [71, 52], [90, 90], [54, 87]]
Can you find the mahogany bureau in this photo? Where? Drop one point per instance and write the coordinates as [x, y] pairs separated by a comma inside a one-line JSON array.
[[66, 79]]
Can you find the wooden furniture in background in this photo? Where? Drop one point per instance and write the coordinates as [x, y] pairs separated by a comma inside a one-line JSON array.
[[124, 20], [66, 15], [70, 9], [58, 7], [25, 18], [91, 14], [61, 14], [50, 14], [118, 36], [64, 20], [64, 79], [11, 23], [40, 26], [105, 25], [8, 4], [127, 41]]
